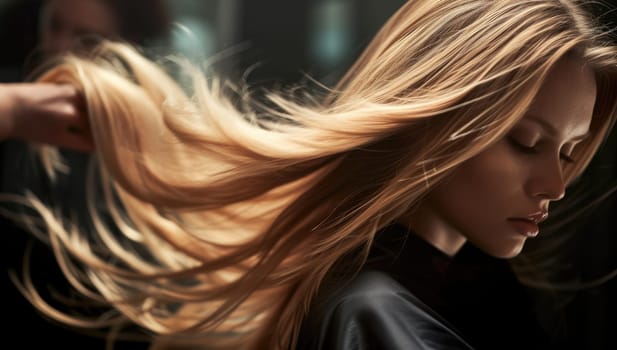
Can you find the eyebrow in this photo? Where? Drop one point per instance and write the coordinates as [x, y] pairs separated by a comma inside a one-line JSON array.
[[551, 129]]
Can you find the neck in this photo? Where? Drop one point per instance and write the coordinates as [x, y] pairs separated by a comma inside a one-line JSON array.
[[434, 231]]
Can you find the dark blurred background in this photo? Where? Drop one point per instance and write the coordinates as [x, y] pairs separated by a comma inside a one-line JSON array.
[[288, 40]]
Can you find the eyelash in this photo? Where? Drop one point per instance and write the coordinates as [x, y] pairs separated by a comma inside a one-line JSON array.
[[533, 150]]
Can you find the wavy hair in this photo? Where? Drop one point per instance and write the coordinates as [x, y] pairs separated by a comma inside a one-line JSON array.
[[231, 221]]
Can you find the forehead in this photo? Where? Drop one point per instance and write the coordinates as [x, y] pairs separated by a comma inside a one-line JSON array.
[[567, 97], [87, 15]]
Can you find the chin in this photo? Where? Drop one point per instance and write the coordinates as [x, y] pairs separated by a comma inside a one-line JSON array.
[[503, 251]]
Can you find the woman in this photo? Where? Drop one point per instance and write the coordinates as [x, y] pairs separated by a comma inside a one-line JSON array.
[[457, 123]]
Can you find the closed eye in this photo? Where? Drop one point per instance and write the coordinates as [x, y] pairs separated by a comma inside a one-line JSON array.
[[534, 149], [523, 148]]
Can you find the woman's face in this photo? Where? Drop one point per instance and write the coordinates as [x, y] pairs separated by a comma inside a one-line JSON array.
[[496, 199], [64, 21]]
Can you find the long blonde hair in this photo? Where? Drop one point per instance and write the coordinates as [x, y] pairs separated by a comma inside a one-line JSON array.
[[234, 220]]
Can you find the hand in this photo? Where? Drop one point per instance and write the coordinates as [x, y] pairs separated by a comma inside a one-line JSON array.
[[44, 113]]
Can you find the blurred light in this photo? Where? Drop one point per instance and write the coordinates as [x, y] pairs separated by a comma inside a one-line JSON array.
[[194, 38], [331, 32]]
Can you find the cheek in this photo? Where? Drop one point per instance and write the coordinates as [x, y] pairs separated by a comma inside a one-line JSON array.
[[487, 179], [482, 192], [498, 171]]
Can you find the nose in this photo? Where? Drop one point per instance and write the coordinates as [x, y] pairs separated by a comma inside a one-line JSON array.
[[547, 182]]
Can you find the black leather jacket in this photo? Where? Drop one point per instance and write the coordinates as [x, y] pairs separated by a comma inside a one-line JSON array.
[[375, 312], [412, 296]]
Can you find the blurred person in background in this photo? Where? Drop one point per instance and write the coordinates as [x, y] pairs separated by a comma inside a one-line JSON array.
[[62, 22], [48, 27]]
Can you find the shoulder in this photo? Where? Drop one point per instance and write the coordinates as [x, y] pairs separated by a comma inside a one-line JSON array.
[[375, 312]]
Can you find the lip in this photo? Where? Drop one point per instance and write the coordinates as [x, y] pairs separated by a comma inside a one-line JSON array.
[[537, 217], [528, 225], [525, 227]]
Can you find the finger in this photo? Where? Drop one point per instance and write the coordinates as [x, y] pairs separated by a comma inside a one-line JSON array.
[[70, 137], [79, 135], [67, 91], [76, 141], [80, 112], [79, 102], [74, 116]]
